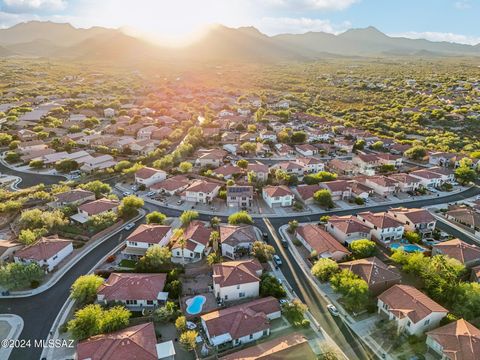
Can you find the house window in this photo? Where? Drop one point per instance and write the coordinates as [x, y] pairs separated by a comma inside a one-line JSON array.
[[131, 302], [251, 336], [149, 302], [226, 297], [55, 257], [242, 294], [426, 322], [409, 323]]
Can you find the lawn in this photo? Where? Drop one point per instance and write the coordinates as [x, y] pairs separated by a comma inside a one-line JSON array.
[[128, 263]]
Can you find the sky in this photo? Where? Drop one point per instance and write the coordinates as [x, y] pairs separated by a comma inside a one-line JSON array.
[[173, 20]]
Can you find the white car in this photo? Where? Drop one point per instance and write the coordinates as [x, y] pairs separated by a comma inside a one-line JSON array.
[[151, 193], [333, 310], [277, 260], [129, 226], [126, 193]]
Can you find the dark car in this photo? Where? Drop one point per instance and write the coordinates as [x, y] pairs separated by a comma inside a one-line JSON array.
[[285, 243]]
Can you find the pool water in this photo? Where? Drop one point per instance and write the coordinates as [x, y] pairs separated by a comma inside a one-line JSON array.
[[408, 247], [195, 304]]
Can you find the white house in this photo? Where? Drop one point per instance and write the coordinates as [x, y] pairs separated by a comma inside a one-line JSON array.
[[242, 323], [235, 238], [96, 207], [268, 136], [413, 311], [427, 178], [135, 291], [148, 176], [382, 185], [418, 220], [366, 163], [347, 228], [98, 163], [306, 149], [235, 280], [197, 237], [276, 196], [146, 236], [47, 252], [321, 242], [310, 164], [383, 227], [201, 191], [406, 182], [146, 132]]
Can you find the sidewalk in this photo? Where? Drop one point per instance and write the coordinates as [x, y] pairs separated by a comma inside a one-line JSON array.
[[59, 274], [283, 212], [11, 327], [327, 293]]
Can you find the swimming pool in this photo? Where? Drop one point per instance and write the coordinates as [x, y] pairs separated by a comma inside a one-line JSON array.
[[407, 247], [195, 304]]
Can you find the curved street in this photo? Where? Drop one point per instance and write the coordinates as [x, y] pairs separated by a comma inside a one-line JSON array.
[[40, 311], [30, 179]]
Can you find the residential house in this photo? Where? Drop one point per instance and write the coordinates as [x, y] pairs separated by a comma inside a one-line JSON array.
[[29, 146], [26, 135], [399, 149], [418, 220], [96, 207], [378, 275], [236, 280], [458, 340], [390, 159], [134, 342], [340, 189], [310, 164], [446, 174], [260, 170], [135, 291], [262, 149], [227, 171], [345, 145], [413, 311], [284, 149], [441, 158], [161, 133], [290, 167], [382, 185], [366, 163], [201, 191], [213, 157], [464, 215], [467, 254], [171, 186], [266, 135], [195, 245], [406, 182], [98, 163], [47, 252], [240, 196], [427, 178], [383, 226], [276, 196], [306, 192], [146, 132], [306, 149], [145, 236], [109, 113], [235, 238], [148, 176], [317, 240], [73, 197], [242, 323], [8, 249], [342, 167], [347, 228]]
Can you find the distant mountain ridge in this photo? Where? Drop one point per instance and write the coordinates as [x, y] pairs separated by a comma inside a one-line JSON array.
[[62, 40]]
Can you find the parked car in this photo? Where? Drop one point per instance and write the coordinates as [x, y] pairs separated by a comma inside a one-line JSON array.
[[277, 260], [129, 226], [126, 193], [333, 310], [151, 193], [179, 202], [285, 243]]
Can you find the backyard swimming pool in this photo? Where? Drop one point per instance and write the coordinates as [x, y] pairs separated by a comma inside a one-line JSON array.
[[407, 247], [195, 304]]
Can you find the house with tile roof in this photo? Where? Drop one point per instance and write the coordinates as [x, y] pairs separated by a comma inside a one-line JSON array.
[[413, 311], [277, 196], [96, 207], [306, 149], [260, 170], [201, 191], [234, 238], [240, 196], [195, 246], [458, 340], [73, 197], [347, 228], [134, 342], [382, 185], [236, 280], [290, 167], [241, 324], [211, 157], [145, 236], [467, 254], [340, 189], [171, 186], [135, 291], [148, 176], [383, 226], [378, 275], [366, 163], [464, 215], [325, 245], [47, 252], [427, 178], [414, 219], [306, 192], [310, 164], [405, 182]]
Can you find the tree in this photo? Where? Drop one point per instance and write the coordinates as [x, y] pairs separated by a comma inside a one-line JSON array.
[[262, 251], [323, 269], [181, 323], [213, 258], [243, 164], [377, 145], [115, 318], [36, 164], [156, 217], [102, 221], [294, 312], [412, 237], [271, 286], [97, 187], [466, 301], [166, 313], [292, 226], [354, 290], [188, 216], [321, 176], [156, 258], [84, 289], [185, 167], [174, 289], [298, 137], [28, 237], [215, 222], [240, 217], [363, 248], [323, 197], [37, 219], [86, 322], [5, 139], [18, 275], [189, 339], [122, 165], [416, 152], [248, 147], [66, 165], [465, 175], [12, 157], [130, 205]]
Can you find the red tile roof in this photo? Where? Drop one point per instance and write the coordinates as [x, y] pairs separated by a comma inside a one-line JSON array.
[[381, 220], [130, 286], [151, 234], [348, 224], [414, 215], [135, 342], [147, 172], [274, 191], [320, 240], [236, 272], [307, 191], [372, 270], [99, 206], [202, 186], [459, 250], [43, 249], [172, 184], [237, 234]]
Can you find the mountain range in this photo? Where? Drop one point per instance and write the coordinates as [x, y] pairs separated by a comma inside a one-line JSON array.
[[62, 40]]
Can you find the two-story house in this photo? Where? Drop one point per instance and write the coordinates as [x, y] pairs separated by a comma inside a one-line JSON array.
[[235, 280], [276, 196], [148, 176], [145, 236], [383, 227], [235, 238], [418, 220], [317, 240], [240, 196], [347, 228], [201, 191]]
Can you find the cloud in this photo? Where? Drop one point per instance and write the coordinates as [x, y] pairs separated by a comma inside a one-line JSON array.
[[462, 4], [281, 25], [440, 36], [30, 6], [310, 4]]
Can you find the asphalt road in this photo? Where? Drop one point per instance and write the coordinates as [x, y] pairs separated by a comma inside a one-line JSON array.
[[31, 179], [39, 312]]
